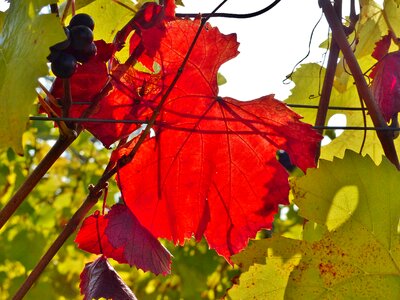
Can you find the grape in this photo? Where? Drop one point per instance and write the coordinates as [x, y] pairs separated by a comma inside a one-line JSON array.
[[81, 37], [64, 65], [82, 19], [284, 159], [86, 54]]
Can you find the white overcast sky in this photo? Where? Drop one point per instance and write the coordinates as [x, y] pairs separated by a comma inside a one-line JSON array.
[[270, 44]]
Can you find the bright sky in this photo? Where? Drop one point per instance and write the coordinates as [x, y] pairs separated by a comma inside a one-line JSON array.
[[270, 44]]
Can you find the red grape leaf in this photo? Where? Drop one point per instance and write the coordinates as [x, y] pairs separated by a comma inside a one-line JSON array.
[[100, 280], [386, 84], [211, 169], [124, 239], [141, 248], [216, 173], [382, 47], [91, 231]]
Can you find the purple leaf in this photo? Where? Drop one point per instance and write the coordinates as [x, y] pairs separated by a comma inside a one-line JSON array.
[[100, 280], [141, 248]]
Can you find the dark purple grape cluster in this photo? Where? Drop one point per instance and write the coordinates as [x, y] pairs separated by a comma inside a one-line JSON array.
[[77, 48]]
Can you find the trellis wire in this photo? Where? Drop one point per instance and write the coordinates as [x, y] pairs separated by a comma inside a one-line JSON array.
[[91, 120]]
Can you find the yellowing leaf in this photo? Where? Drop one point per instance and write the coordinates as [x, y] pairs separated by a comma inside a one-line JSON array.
[[105, 11], [355, 197], [2, 14], [392, 11], [24, 45], [306, 91], [352, 251], [269, 263], [309, 79]]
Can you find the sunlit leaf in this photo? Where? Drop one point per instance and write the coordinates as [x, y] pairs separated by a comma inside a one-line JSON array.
[[24, 45], [100, 280], [344, 196]]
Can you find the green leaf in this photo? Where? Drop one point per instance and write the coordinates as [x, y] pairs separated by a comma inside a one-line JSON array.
[[221, 79], [352, 251], [24, 45], [78, 4], [392, 11], [104, 14], [309, 78], [2, 15], [353, 194], [268, 265]]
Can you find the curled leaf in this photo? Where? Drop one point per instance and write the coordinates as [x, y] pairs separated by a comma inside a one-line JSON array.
[[140, 247], [120, 236]]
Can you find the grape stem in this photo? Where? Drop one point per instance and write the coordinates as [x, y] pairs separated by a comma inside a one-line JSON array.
[[67, 97]]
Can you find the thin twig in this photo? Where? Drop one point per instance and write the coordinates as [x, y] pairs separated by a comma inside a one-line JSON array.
[[66, 9], [69, 229], [364, 115], [229, 15], [125, 6], [67, 99], [378, 120], [328, 82]]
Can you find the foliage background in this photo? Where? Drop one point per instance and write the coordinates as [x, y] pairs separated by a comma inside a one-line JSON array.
[[197, 273]]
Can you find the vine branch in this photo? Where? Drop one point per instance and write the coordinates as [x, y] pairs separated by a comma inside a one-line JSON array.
[[91, 200], [55, 152], [328, 82], [339, 35]]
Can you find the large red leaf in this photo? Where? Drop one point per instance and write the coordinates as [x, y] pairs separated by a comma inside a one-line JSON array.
[[120, 236], [100, 280], [211, 169]]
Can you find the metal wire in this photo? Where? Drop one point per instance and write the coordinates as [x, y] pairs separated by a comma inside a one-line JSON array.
[[330, 107], [91, 120], [85, 120]]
